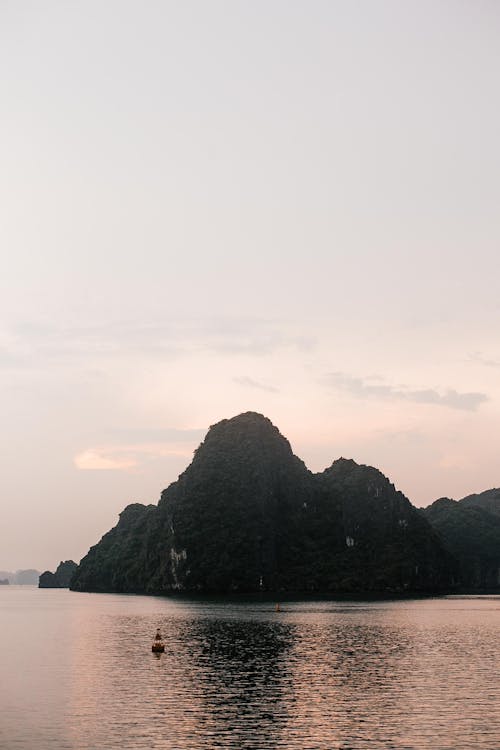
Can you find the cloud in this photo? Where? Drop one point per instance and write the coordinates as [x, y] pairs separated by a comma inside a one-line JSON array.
[[478, 358], [251, 383], [28, 345], [96, 459], [161, 436], [127, 457], [250, 336], [362, 388]]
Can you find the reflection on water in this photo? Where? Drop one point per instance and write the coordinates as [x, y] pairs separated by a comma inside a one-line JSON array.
[[243, 669], [414, 674]]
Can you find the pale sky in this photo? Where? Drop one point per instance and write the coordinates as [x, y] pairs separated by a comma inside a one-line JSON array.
[[209, 207]]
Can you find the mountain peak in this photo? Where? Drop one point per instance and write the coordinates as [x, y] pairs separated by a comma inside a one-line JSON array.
[[442, 503], [248, 421], [247, 515], [249, 434]]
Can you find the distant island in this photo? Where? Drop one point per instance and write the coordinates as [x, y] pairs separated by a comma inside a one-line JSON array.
[[60, 579], [27, 577], [248, 516]]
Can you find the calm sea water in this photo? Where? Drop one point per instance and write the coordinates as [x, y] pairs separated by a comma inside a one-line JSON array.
[[77, 672]]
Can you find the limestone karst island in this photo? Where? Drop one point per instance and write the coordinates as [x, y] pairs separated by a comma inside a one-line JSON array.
[[248, 516]]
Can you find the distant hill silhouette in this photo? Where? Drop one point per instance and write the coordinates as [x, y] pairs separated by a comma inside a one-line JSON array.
[[470, 530], [247, 515], [27, 577]]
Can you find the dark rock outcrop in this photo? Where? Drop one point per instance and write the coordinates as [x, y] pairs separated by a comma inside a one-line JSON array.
[[247, 515], [60, 579]]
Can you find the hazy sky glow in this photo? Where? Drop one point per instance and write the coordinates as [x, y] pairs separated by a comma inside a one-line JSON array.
[[209, 207]]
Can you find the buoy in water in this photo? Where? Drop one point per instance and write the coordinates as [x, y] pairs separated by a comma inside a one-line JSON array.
[[158, 646]]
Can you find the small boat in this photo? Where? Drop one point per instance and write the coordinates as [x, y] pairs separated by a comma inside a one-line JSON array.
[[158, 646]]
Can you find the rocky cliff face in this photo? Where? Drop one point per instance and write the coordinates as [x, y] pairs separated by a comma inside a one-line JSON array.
[[247, 515]]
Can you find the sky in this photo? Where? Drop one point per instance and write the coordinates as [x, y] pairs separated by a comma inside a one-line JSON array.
[[215, 206]]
